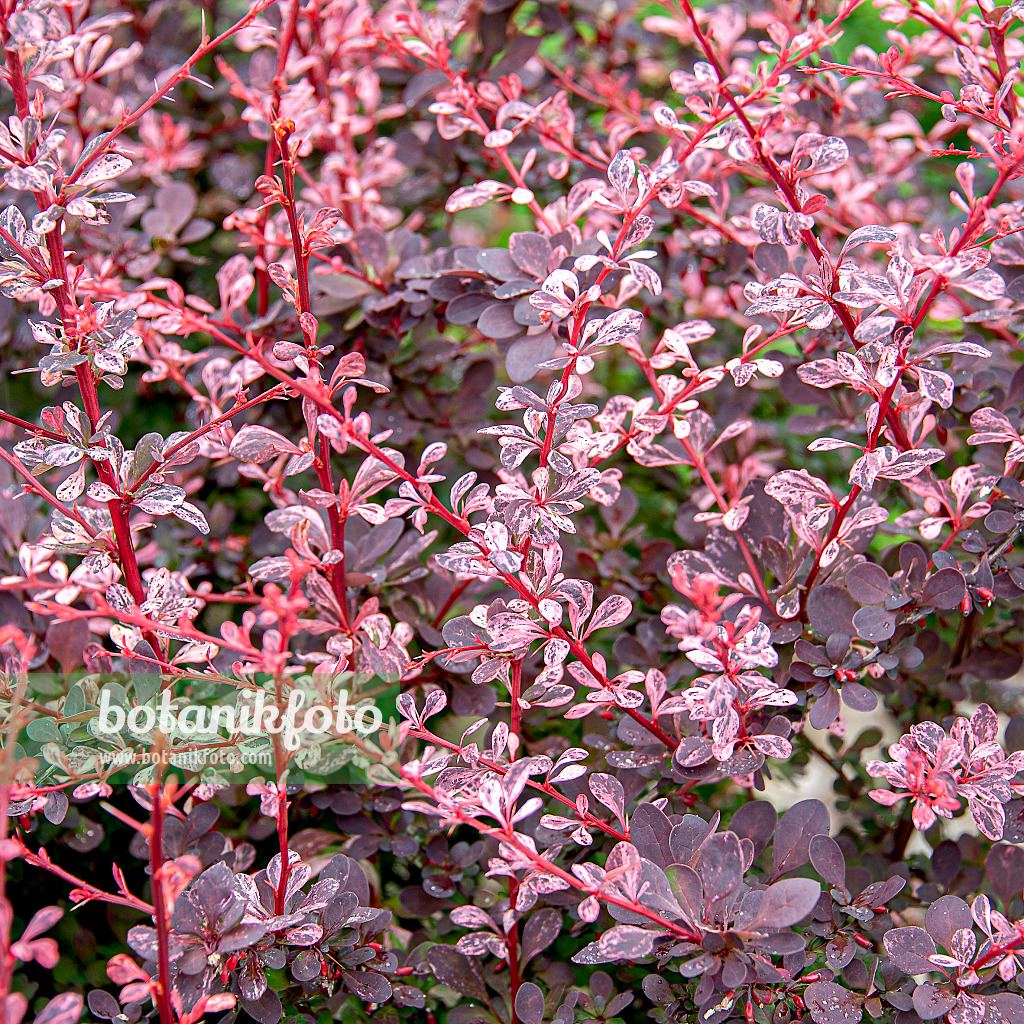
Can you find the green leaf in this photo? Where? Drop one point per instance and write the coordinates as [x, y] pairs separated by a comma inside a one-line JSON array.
[[43, 730], [74, 703]]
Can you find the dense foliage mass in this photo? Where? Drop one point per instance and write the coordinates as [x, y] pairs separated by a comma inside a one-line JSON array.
[[624, 399]]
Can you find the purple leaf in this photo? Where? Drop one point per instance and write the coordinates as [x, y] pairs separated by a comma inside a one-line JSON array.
[[944, 589], [1004, 868], [868, 583], [877, 894], [266, 1010], [909, 949], [369, 986], [931, 1002], [649, 829], [829, 1003], [858, 697], [755, 820], [66, 641], [825, 709], [945, 917], [875, 624], [457, 972], [721, 865], [840, 951], [787, 902], [530, 1004], [1004, 1008], [540, 930], [828, 860], [797, 827]]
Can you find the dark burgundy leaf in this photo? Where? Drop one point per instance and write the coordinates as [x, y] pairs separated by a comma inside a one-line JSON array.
[[946, 861], [497, 321], [464, 309], [1004, 1008], [657, 989], [686, 838], [874, 624], [909, 949], [828, 860], [66, 641], [649, 829], [830, 609], [829, 1003], [541, 929], [529, 250], [1004, 869], [825, 709], [787, 902], [877, 894], [868, 583], [931, 1002], [267, 1009], [858, 697], [457, 972], [755, 820], [797, 827], [200, 820], [530, 1004], [721, 865], [103, 1004], [944, 589], [306, 966], [369, 986], [840, 951], [993, 663], [526, 354], [947, 915]]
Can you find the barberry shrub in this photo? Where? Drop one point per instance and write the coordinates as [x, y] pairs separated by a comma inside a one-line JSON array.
[[624, 399]]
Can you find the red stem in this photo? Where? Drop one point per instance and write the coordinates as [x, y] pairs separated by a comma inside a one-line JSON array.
[[282, 821], [156, 855], [516, 711], [298, 246], [284, 46], [337, 526], [457, 592]]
